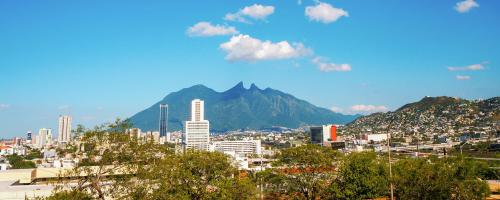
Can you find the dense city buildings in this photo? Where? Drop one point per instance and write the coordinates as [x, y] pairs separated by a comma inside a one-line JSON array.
[[64, 129], [196, 133]]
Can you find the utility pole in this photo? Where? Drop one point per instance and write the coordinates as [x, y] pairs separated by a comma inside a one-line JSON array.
[[389, 153], [390, 164], [418, 141], [261, 168]]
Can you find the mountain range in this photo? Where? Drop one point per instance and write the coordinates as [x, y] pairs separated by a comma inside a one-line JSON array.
[[239, 108], [434, 115]]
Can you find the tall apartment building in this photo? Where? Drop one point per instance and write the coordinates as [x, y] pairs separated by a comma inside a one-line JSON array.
[[64, 129], [197, 130], [163, 120], [44, 134]]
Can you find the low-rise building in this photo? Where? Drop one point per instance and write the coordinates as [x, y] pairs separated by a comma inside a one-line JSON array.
[[238, 146]]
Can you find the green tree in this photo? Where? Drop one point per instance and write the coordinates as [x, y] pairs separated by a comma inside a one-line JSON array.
[[360, 176], [434, 178], [116, 166], [33, 154], [274, 184], [110, 159], [67, 195], [18, 162], [304, 171], [68, 149], [197, 175]]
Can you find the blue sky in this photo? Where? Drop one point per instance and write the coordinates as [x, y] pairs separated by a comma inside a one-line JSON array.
[[98, 60]]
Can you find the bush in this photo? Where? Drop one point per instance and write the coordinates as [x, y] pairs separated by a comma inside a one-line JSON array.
[[18, 162]]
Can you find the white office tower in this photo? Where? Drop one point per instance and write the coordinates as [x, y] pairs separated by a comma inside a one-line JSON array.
[[196, 133], [43, 134], [64, 129], [197, 110]]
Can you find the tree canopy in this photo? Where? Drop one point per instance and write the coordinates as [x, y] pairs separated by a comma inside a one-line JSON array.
[[118, 166], [18, 162], [439, 178]]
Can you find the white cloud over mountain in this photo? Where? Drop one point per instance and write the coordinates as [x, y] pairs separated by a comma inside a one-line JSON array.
[[330, 67], [245, 48], [361, 108], [336, 109]]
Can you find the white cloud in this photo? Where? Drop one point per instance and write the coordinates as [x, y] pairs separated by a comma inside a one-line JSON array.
[[466, 5], [336, 109], [255, 11], [330, 67], [462, 77], [324, 12], [245, 48], [367, 108], [474, 67], [207, 29], [4, 106], [258, 11], [236, 17]]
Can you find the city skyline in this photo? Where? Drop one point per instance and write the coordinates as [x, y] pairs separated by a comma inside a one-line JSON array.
[[355, 60]]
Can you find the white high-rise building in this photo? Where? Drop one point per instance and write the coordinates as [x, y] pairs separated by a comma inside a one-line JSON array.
[[197, 110], [64, 129], [197, 130], [42, 138]]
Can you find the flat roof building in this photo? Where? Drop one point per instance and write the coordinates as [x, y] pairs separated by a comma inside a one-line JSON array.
[[237, 146]]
